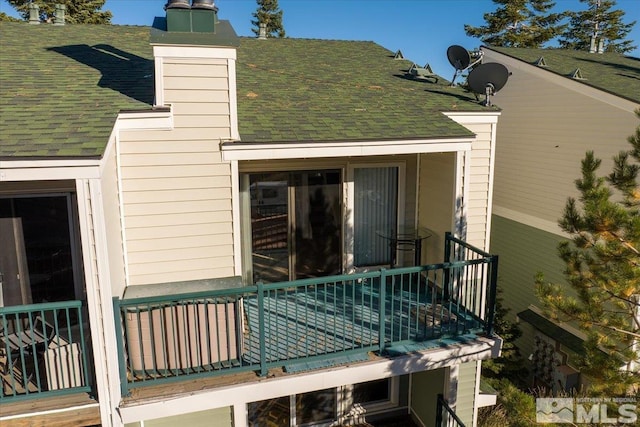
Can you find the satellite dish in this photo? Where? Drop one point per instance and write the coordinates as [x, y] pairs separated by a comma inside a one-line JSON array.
[[488, 79], [460, 59]]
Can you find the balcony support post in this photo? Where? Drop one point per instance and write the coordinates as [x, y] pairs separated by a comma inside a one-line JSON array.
[[124, 382], [493, 283], [383, 303], [261, 331]]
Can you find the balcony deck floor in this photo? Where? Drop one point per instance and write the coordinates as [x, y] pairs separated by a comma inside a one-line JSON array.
[[301, 325]]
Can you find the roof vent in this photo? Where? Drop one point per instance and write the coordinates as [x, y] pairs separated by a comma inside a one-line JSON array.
[[398, 55], [541, 62], [262, 34], [59, 14], [203, 4], [422, 73], [577, 75], [34, 13], [177, 4]]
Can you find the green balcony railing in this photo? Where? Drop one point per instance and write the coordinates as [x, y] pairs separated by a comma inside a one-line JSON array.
[[42, 350], [445, 416], [311, 321]]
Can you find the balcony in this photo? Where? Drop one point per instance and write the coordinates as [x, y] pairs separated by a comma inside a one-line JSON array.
[[306, 324], [43, 351]]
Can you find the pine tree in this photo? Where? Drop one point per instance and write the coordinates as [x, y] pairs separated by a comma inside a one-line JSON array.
[[268, 14], [603, 270], [77, 12], [5, 17], [601, 21], [519, 23], [510, 364]]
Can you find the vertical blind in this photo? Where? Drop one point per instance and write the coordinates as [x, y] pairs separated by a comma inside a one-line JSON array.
[[375, 213]]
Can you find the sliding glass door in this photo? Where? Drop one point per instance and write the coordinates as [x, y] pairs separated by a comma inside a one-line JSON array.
[[296, 222], [38, 254]]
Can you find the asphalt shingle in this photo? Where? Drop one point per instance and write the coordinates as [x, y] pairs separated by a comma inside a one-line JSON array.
[[61, 88]]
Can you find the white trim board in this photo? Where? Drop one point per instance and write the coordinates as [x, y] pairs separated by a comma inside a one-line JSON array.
[[183, 51], [275, 150], [36, 173]]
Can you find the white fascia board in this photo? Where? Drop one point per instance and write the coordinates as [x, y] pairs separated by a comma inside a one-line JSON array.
[[566, 82], [486, 399], [273, 151], [267, 388], [473, 117], [185, 51], [145, 120], [47, 171]]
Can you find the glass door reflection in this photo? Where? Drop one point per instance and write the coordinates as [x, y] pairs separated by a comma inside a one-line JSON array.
[[295, 224]]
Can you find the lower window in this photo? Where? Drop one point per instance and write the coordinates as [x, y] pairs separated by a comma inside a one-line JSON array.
[[324, 407]]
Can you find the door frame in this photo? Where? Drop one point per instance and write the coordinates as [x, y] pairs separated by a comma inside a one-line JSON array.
[[73, 226], [346, 168]]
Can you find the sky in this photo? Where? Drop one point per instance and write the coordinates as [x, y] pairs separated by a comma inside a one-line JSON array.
[[421, 29]]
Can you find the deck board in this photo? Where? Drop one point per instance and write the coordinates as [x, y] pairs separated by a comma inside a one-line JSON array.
[[77, 409]]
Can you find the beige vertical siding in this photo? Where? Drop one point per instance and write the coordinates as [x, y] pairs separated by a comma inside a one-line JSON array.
[[436, 201], [477, 203], [111, 204], [545, 130], [466, 392], [176, 190]]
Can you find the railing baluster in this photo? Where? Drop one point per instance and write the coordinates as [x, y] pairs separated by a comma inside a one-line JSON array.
[[382, 308]]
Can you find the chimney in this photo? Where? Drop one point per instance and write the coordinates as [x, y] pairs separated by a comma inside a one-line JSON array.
[[198, 17], [592, 46], [59, 14], [262, 35], [34, 13]]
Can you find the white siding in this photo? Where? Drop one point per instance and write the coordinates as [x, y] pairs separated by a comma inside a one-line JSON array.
[[176, 190], [545, 130]]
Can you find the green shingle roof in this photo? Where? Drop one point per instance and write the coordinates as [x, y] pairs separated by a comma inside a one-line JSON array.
[[327, 90], [610, 72], [61, 88]]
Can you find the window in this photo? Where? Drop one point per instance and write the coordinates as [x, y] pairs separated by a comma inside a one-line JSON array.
[[372, 392], [325, 407]]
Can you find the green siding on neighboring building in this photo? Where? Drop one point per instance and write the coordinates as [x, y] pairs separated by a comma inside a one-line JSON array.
[[524, 251], [425, 387], [220, 417]]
